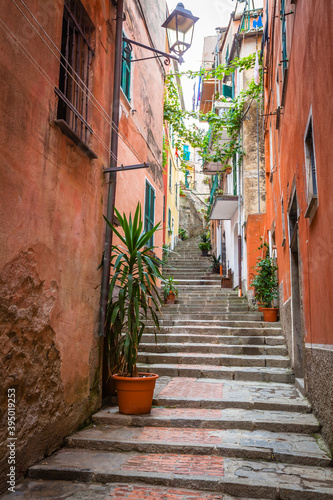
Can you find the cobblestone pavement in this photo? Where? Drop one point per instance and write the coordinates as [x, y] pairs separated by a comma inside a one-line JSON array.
[[227, 419]]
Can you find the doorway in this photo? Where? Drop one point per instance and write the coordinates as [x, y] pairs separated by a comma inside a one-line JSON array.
[[296, 303]]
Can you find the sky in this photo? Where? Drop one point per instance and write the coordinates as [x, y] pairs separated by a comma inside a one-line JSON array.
[[212, 14]]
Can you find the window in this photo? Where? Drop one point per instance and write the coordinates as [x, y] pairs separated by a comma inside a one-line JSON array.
[[186, 153], [311, 171], [234, 175], [169, 220], [170, 175], [284, 36], [75, 75], [149, 211], [126, 70]]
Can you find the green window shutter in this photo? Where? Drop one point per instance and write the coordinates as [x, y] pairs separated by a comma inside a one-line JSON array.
[[149, 210], [169, 219], [284, 36], [170, 174], [227, 91], [126, 71], [234, 171]]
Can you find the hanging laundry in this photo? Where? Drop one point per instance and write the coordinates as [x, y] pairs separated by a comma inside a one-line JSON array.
[[256, 70]]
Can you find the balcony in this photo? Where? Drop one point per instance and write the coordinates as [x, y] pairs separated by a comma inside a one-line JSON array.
[[251, 21]]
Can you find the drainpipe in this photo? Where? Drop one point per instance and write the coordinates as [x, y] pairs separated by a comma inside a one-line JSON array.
[[239, 227], [113, 163], [258, 173]]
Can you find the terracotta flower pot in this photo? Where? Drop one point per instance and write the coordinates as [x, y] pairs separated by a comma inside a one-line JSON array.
[[135, 394], [270, 314], [204, 253], [228, 170]]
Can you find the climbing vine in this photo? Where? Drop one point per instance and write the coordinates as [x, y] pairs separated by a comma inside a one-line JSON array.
[[208, 144]]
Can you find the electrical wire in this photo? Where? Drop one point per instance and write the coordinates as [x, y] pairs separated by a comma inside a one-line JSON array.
[[83, 86], [35, 63]]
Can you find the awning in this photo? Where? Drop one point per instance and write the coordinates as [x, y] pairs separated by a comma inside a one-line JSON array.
[[224, 207]]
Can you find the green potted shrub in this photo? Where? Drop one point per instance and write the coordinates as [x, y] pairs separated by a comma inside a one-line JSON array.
[[133, 295], [205, 244], [182, 234], [266, 285], [170, 290]]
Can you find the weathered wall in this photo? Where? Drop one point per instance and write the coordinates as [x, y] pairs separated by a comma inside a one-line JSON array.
[[189, 218], [305, 93], [52, 229], [51, 238]]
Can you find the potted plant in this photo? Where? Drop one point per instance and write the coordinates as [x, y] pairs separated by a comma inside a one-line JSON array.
[[205, 244], [266, 285], [215, 265], [182, 234], [170, 290], [132, 296]]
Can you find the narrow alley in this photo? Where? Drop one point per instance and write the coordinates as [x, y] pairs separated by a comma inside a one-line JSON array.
[[226, 414]]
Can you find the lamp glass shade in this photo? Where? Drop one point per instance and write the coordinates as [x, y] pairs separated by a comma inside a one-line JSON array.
[[180, 27]]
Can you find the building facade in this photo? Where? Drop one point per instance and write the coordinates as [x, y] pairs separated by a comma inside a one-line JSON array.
[[57, 68], [298, 129], [237, 197]]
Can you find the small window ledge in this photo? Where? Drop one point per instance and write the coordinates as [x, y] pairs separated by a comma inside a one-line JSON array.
[[67, 130], [311, 208]]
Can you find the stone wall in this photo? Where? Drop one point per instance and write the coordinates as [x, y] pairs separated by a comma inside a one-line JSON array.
[[189, 218], [318, 385]]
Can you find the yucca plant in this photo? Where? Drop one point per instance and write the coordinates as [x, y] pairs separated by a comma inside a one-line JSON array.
[[135, 274]]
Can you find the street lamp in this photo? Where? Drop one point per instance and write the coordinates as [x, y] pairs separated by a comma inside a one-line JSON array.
[[182, 22], [180, 28]]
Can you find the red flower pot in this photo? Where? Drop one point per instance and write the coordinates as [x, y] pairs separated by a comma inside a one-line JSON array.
[[135, 394], [270, 314]]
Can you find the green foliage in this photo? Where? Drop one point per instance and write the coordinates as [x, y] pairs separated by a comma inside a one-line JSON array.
[[164, 153], [135, 274], [265, 282], [208, 144], [215, 265], [182, 234], [170, 286]]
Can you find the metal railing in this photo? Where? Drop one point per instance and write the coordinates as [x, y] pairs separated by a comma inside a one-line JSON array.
[[251, 20]]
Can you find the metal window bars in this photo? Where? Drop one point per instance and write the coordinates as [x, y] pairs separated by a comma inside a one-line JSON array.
[[76, 56]]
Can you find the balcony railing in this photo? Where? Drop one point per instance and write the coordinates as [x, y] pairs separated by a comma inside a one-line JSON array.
[[214, 188]]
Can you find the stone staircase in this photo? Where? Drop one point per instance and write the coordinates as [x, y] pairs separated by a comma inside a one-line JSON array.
[[227, 421]]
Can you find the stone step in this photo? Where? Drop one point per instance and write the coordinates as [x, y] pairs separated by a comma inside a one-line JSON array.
[[234, 476], [248, 349], [216, 340], [212, 393], [216, 330], [207, 304], [214, 359], [209, 322], [239, 443], [208, 418], [229, 316], [211, 308], [253, 373], [74, 490]]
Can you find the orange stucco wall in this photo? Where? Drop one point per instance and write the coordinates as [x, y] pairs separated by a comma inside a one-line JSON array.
[[309, 86], [255, 229], [51, 215]]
